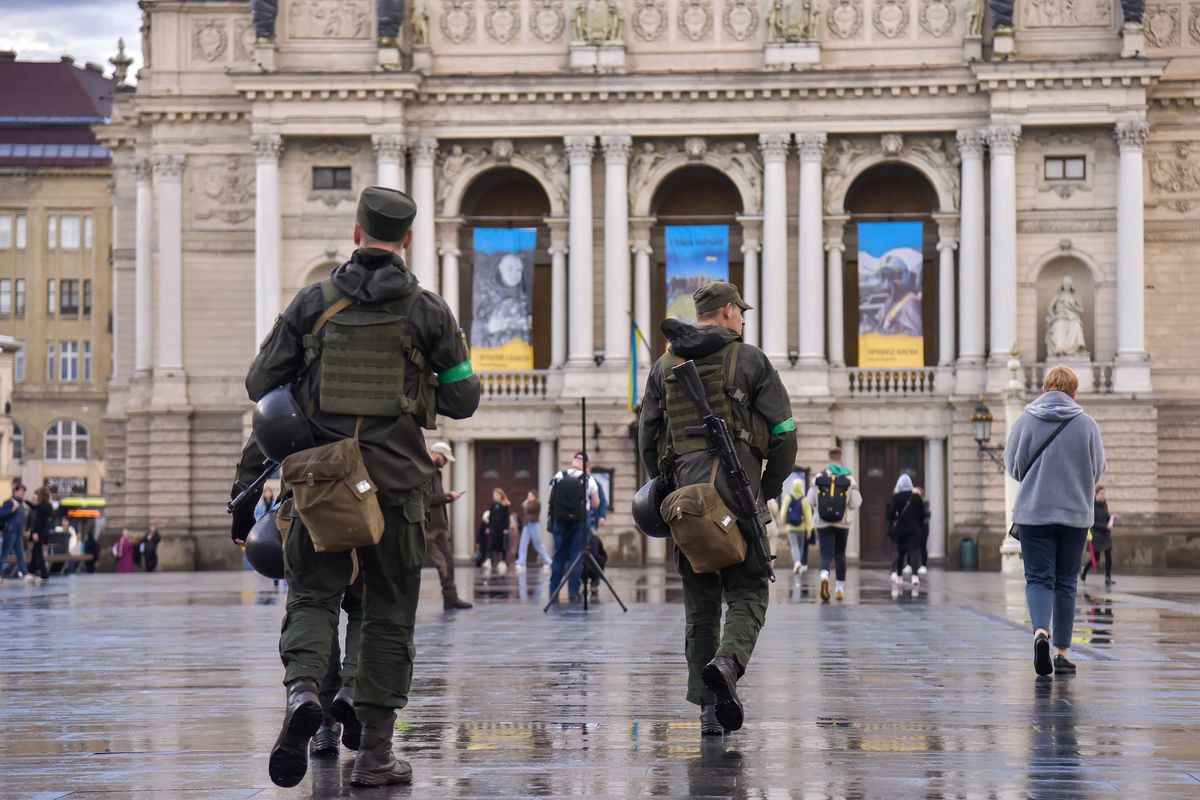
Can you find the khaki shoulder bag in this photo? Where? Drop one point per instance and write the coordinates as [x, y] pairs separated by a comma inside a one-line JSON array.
[[703, 527]]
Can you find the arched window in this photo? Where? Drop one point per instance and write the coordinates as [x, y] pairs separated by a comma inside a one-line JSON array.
[[18, 437], [67, 440]]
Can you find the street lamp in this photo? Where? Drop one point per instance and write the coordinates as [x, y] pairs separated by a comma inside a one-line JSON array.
[[981, 422]]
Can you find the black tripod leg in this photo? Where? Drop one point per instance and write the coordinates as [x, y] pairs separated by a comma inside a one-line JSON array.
[[603, 577], [566, 576]]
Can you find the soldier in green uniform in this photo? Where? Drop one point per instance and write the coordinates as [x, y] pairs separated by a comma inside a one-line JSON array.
[[394, 376], [757, 409]]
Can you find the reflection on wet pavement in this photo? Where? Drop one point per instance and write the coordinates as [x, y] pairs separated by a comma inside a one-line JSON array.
[[167, 686]]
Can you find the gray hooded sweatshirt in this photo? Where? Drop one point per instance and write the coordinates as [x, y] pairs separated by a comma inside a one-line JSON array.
[[1060, 487]]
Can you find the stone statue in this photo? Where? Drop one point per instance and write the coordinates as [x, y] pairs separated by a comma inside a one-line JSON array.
[[813, 28], [974, 13], [596, 21], [420, 23], [263, 13], [1064, 324], [792, 20]]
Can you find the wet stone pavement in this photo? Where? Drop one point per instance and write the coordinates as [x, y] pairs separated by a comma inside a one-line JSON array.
[[167, 686]]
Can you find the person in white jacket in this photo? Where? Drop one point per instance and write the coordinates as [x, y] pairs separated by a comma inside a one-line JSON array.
[[834, 498]]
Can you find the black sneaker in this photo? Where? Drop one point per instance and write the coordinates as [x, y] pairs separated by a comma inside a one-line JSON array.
[[1062, 666], [1041, 655]]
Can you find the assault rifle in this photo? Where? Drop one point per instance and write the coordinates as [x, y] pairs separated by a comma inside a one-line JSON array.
[[254, 488], [716, 430]]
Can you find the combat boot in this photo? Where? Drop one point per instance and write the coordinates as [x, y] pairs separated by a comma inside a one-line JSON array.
[[376, 764], [342, 709], [455, 603], [325, 740], [709, 726], [720, 677], [289, 756]]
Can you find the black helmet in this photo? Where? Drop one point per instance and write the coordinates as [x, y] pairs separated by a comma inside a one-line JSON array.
[[646, 514], [280, 427], [264, 547]]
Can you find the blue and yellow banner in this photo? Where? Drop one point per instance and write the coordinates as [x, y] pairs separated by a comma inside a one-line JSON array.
[[696, 255], [502, 299], [891, 330]]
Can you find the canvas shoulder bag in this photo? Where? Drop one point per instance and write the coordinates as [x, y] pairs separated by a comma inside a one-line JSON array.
[[1012, 529], [703, 527]]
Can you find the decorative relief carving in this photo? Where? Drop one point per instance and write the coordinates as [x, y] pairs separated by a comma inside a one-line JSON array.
[[1175, 176], [838, 158], [845, 18], [1194, 24], [596, 21], [647, 157], [329, 149], [243, 36], [1066, 13], [937, 17], [774, 146], [739, 158], [891, 144], [458, 20], [891, 17], [1162, 26], [554, 166], [1065, 143], [547, 21], [503, 20], [649, 19], [454, 163], [793, 20], [329, 19], [1067, 222], [1131, 135], [741, 19], [209, 39], [696, 19], [225, 191], [695, 147]]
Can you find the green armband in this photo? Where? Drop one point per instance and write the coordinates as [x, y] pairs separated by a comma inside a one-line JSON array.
[[459, 372], [786, 426]]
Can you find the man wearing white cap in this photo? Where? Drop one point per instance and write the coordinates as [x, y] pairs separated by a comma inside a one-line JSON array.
[[437, 535]]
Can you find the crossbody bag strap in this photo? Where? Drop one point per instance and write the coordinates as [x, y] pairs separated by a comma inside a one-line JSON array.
[[329, 313], [1046, 444]]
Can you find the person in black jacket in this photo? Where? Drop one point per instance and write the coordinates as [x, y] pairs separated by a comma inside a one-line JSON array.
[[1101, 536], [149, 548], [906, 516], [40, 524]]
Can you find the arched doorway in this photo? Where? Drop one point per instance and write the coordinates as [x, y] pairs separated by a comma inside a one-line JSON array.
[[693, 195], [891, 192], [505, 197]]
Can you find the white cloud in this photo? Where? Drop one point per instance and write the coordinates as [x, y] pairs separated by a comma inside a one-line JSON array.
[[44, 30]]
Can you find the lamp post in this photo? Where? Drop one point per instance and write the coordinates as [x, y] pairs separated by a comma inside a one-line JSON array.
[[1011, 562]]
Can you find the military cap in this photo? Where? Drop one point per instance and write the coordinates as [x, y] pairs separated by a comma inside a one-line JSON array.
[[718, 294], [385, 214]]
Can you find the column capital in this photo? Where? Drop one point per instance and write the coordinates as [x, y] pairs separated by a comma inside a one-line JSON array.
[[580, 148], [142, 170], [267, 146], [559, 230], [447, 230], [774, 146], [449, 250], [751, 227], [424, 150], [641, 248], [947, 229], [751, 246], [835, 230], [1004, 138], [168, 167], [970, 142], [810, 146], [1131, 136], [389, 145], [616, 148]]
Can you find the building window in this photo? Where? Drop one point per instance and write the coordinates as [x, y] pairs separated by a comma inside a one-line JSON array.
[[19, 366], [6, 231], [6, 296], [1066, 168], [18, 442], [50, 362], [87, 362], [67, 440], [51, 297], [88, 233], [52, 232], [87, 298], [331, 178], [19, 308], [68, 360], [70, 231], [20, 231], [69, 305]]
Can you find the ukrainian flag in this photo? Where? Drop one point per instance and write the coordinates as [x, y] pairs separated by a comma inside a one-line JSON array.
[[634, 337]]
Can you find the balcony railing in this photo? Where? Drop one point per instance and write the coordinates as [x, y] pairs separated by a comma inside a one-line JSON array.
[[1101, 378], [515, 386], [891, 382]]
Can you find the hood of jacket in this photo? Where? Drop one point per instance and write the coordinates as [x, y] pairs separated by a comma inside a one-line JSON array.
[[903, 484], [374, 276], [696, 341], [797, 489], [1054, 407]]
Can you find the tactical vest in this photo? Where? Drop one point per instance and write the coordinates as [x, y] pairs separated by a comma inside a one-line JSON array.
[[717, 371], [364, 353]]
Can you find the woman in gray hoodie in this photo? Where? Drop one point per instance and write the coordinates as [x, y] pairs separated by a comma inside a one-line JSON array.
[[1053, 511]]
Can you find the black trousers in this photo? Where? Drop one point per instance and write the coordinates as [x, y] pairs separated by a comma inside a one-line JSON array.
[[908, 552], [601, 555], [37, 560], [832, 542], [1087, 564]]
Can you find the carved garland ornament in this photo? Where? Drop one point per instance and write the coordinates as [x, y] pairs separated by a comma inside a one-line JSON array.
[[244, 37], [458, 20], [741, 19], [1194, 25], [845, 18], [891, 17], [696, 19], [209, 40], [503, 20], [649, 19], [937, 17], [1162, 26], [547, 21]]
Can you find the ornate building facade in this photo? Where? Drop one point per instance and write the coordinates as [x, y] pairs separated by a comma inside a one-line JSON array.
[[1032, 143]]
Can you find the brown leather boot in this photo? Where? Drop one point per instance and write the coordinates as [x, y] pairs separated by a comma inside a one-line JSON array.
[[342, 709], [289, 756], [376, 764]]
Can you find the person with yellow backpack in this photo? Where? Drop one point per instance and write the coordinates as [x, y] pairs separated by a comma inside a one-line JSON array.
[[796, 518]]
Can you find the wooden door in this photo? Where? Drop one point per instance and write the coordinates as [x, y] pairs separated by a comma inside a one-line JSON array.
[[880, 463], [508, 465]]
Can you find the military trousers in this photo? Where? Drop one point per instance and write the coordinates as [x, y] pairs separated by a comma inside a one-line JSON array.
[[344, 664], [745, 596], [437, 542], [391, 584]]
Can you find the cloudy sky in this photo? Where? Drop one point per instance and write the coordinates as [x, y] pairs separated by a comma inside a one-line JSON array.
[[43, 30]]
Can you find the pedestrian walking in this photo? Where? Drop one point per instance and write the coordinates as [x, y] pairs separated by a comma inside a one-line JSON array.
[[90, 550], [499, 524], [834, 496], [905, 518], [41, 522], [123, 551], [796, 518], [372, 358], [1100, 541], [1055, 452], [744, 389], [437, 535], [12, 515], [265, 503], [568, 522], [531, 533], [149, 549]]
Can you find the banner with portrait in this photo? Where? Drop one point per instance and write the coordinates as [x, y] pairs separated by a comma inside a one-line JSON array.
[[502, 299], [696, 255], [891, 330]]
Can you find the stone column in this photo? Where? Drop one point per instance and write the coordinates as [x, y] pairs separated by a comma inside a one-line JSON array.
[[1132, 371], [835, 246], [268, 232], [169, 170], [774, 312], [389, 159], [946, 245], [558, 293], [849, 445], [462, 521], [143, 270], [547, 449], [617, 327], [811, 300], [935, 493], [424, 245], [580, 298], [641, 278], [1002, 300], [448, 250], [971, 300], [751, 291]]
